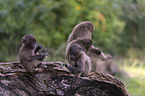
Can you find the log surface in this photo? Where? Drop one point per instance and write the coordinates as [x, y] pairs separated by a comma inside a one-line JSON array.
[[56, 80]]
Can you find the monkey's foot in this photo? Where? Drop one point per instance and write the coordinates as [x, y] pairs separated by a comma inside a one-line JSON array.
[[42, 66], [66, 65]]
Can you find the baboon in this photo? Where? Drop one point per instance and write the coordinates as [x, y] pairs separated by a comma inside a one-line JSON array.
[[98, 59], [89, 49], [99, 64], [83, 29], [85, 44], [27, 53], [80, 64], [97, 53]]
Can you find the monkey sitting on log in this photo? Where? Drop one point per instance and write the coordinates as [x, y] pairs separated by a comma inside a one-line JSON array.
[[28, 53], [80, 64]]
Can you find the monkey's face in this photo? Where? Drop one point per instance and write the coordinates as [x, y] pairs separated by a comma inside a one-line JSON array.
[[29, 41], [90, 26], [86, 24], [88, 43], [74, 51]]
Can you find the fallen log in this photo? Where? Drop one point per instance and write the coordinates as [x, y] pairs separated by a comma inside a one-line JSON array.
[[56, 80]]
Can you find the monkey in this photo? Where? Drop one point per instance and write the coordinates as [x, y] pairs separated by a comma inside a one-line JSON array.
[[89, 49], [97, 53], [28, 53], [85, 44], [80, 64], [83, 29], [99, 64], [98, 59]]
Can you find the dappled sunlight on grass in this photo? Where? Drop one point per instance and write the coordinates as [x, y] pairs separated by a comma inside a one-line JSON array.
[[135, 82], [135, 71]]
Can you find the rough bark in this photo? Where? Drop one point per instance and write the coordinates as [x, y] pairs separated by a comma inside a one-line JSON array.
[[56, 80]]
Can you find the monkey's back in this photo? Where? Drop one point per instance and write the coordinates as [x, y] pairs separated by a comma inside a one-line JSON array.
[[79, 33]]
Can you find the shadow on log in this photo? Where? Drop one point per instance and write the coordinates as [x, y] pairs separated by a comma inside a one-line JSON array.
[[56, 80]]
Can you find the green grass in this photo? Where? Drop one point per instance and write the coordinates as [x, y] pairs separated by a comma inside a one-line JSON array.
[[135, 79]]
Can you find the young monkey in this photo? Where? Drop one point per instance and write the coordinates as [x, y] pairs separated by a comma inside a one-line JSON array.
[[27, 53], [80, 64], [85, 44]]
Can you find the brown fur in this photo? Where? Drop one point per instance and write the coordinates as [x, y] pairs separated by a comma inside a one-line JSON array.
[[99, 64], [83, 29], [27, 54], [80, 64], [83, 42]]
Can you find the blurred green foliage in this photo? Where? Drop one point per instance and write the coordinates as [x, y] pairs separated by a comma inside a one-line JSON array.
[[119, 29], [119, 24]]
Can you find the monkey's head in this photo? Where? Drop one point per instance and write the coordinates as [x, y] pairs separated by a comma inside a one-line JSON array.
[[86, 24], [86, 42], [75, 51], [90, 26], [29, 41]]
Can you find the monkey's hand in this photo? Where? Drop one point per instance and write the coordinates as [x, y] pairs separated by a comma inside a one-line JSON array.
[[46, 54], [75, 71], [68, 67], [42, 56], [95, 50], [38, 48], [108, 56]]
